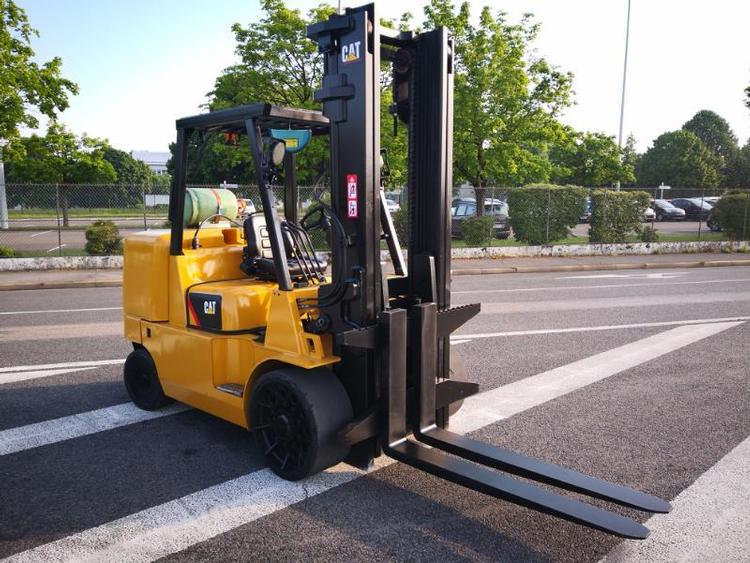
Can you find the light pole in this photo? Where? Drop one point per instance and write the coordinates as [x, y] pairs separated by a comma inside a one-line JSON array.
[[3, 198], [624, 79]]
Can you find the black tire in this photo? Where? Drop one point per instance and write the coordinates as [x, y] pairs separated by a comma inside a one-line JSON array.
[[142, 381], [659, 217], [296, 415]]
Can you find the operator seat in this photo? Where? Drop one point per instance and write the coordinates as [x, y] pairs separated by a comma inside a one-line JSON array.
[[257, 256]]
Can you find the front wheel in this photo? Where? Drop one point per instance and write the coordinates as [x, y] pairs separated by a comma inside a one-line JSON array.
[[296, 415], [142, 381]]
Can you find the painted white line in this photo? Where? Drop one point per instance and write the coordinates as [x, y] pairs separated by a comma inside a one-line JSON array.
[[176, 525], [709, 520], [55, 248], [63, 365], [606, 286], [27, 375], [654, 275], [48, 432], [505, 401], [60, 311], [39, 234], [460, 338]]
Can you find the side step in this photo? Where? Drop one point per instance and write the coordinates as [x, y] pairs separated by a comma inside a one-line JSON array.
[[460, 469], [232, 388]]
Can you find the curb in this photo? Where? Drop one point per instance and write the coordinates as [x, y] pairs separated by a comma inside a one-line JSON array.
[[595, 267], [60, 285], [458, 272]]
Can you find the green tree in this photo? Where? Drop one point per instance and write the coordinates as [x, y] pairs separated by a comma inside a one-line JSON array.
[[589, 159], [506, 100], [60, 158], [129, 170], [630, 158], [24, 83], [680, 159], [716, 134]]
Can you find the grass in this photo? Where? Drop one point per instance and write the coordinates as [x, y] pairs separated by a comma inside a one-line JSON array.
[[104, 212], [44, 253]]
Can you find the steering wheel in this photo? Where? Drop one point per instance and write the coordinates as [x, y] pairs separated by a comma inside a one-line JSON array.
[[316, 218]]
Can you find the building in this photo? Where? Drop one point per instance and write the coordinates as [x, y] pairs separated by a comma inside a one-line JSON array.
[[156, 161]]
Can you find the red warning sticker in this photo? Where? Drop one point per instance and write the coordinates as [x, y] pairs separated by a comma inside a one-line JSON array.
[[351, 196]]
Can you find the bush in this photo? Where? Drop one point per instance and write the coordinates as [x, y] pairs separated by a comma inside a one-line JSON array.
[[733, 214], [477, 231], [103, 237], [615, 215], [649, 234], [7, 252], [401, 224], [532, 207]]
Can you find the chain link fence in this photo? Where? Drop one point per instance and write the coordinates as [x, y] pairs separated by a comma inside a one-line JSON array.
[[51, 220]]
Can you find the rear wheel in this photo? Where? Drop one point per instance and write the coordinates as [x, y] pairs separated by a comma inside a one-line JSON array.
[[295, 415], [142, 381]]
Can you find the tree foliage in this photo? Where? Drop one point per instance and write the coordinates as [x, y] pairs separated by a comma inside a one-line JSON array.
[[59, 157], [681, 160], [716, 134], [24, 83], [589, 159], [506, 99]]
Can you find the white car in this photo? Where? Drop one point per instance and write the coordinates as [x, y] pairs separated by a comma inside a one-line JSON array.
[[391, 206], [649, 215]]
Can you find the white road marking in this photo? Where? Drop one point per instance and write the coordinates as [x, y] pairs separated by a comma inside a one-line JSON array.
[[60, 311], [461, 338], [607, 286], [39, 234], [27, 375], [55, 248], [709, 520], [176, 525], [93, 363], [654, 275], [503, 402], [48, 432]]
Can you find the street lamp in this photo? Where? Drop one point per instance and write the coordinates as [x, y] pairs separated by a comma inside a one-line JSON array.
[[624, 77], [3, 198]]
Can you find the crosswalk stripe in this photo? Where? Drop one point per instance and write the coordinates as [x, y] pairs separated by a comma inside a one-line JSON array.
[[17, 376], [48, 432], [176, 525], [709, 520]]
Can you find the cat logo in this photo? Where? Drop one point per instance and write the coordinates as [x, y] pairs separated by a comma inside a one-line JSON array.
[[209, 307], [350, 52]]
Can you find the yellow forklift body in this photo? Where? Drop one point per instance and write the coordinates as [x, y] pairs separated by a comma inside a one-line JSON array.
[[260, 326]]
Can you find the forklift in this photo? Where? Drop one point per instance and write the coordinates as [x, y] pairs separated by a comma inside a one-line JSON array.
[[326, 358]]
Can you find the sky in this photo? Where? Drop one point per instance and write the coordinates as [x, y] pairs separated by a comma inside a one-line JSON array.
[[142, 64]]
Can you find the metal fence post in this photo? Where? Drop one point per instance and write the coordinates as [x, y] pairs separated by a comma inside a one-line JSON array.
[[57, 213], [143, 201], [700, 214], [549, 205]]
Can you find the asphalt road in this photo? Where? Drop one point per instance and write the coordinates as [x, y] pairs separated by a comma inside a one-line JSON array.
[[633, 376], [46, 237]]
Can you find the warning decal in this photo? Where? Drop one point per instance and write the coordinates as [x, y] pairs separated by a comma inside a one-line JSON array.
[[351, 196]]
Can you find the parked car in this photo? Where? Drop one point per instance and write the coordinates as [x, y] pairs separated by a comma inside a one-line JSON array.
[[466, 208], [586, 217], [665, 211], [694, 208], [391, 206], [649, 214]]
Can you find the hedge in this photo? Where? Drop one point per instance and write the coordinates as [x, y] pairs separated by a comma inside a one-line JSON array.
[[732, 212], [477, 231], [614, 215], [401, 224], [103, 238], [541, 213]]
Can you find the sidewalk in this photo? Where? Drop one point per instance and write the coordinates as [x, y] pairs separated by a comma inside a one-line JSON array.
[[59, 279]]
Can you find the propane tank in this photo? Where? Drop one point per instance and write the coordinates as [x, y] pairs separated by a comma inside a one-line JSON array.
[[201, 203]]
